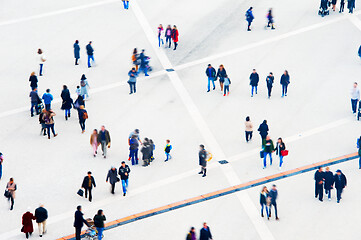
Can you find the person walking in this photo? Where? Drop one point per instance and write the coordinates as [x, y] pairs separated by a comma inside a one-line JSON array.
[[280, 148], [67, 102], [263, 130], [285, 81], [221, 74], [350, 5], [168, 36], [192, 234], [249, 129], [342, 6], [11, 188], [249, 18], [334, 2], [328, 176], [1, 164], [88, 184], [268, 149], [174, 36], [269, 81], [152, 147], [167, 149], [133, 74], [273, 197], [34, 99], [79, 102], [135, 59], [340, 183], [99, 220], [48, 98], [76, 52], [136, 134], [160, 35], [49, 122], [133, 150], [211, 74], [270, 19], [355, 97], [126, 4], [205, 233], [124, 171], [41, 215], [254, 79], [319, 178], [94, 142], [27, 221], [146, 151], [90, 53], [359, 151], [42, 122], [84, 86], [83, 116], [33, 79], [227, 82], [202, 160], [264, 201], [112, 177], [42, 61], [104, 140], [79, 222], [143, 63]]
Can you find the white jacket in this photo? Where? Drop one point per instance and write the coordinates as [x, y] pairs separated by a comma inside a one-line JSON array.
[[41, 58], [355, 93]]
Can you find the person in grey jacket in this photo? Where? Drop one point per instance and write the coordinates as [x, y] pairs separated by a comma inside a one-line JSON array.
[[273, 194], [132, 80], [113, 178]]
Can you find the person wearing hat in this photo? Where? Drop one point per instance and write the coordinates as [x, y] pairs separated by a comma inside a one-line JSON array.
[[211, 74], [41, 214], [124, 171], [112, 177], [88, 184], [104, 140], [202, 160], [132, 80], [1, 164], [27, 221], [79, 222], [90, 53], [340, 183]]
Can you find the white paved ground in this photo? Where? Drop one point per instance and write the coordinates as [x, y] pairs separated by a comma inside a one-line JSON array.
[[315, 119]]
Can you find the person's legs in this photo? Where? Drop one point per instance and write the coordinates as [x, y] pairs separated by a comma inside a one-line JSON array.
[[52, 129], [320, 192], [209, 84], [281, 160], [113, 188], [283, 90], [175, 45], [275, 206], [247, 136], [359, 163], [270, 156], [33, 105], [12, 202], [158, 41], [44, 226], [354, 105], [262, 205], [329, 193], [250, 135], [338, 192], [27, 235], [100, 233], [48, 129], [252, 91], [265, 160], [76, 61], [130, 86], [40, 230], [77, 233], [89, 57], [124, 185], [1, 170], [136, 156], [41, 69], [316, 189], [86, 193], [104, 148], [90, 195], [269, 91], [127, 4], [134, 87], [95, 148]]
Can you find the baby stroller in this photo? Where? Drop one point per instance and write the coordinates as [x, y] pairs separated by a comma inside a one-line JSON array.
[[324, 8], [359, 111], [91, 233]]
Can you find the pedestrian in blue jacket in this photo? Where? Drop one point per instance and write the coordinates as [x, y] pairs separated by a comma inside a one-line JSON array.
[[249, 18], [254, 79], [143, 63], [47, 99], [76, 51], [132, 80], [211, 74], [90, 53]]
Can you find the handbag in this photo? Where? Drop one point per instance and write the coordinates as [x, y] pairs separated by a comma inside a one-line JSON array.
[[80, 192], [7, 194], [284, 153], [118, 179], [261, 154]]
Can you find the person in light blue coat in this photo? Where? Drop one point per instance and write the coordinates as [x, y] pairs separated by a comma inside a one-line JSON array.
[[76, 52], [227, 82], [132, 80], [84, 85]]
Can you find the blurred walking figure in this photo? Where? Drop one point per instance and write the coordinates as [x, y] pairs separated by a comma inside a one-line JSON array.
[[254, 79], [112, 177], [319, 178], [285, 81], [33, 81], [11, 188], [49, 122], [192, 234], [104, 140], [340, 183], [350, 5], [355, 97], [28, 223], [264, 201], [136, 134], [359, 151], [67, 101], [143, 63], [263, 130], [94, 142], [175, 35], [269, 81], [205, 233], [1, 164], [133, 150], [152, 147], [268, 149], [79, 222], [249, 129], [48, 98], [273, 197], [280, 150], [146, 151], [168, 36], [334, 4], [270, 19], [99, 220], [83, 116], [126, 4], [160, 35], [76, 52], [41, 215], [342, 6], [133, 74], [42, 61], [90, 53], [84, 86], [42, 122], [124, 171], [202, 160], [135, 59], [88, 184], [221, 74], [34, 99], [167, 149], [211, 74], [249, 18], [227, 82], [328, 176]]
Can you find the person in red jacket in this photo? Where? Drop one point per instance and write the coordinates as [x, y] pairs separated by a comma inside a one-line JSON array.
[[28, 218], [174, 36]]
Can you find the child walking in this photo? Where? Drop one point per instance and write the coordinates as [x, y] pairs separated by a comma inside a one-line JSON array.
[[167, 149], [94, 142]]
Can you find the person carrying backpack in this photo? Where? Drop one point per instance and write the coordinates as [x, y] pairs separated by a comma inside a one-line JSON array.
[[83, 116], [48, 118]]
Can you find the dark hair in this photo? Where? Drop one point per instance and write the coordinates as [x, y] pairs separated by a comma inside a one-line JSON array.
[[65, 87], [123, 162], [274, 185], [209, 65], [280, 139], [286, 72], [76, 41], [247, 119], [78, 208], [166, 141], [40, 51], [136, 130], [265, 121], [254, 69], [11, 179], [135, 51], [192, 228], [89, 172], [271, 73], [100, 212], [251, 8], [48, 90], [83, 77], [202, 146]]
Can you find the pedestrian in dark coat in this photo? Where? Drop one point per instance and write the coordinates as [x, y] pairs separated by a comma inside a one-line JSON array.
[[112, 177], [192, 234], [268, 149], [328, 176], [319, 179], [280, 147], [202, 160], [67, 101], [41, 215], [211, 74], [350, 5], [34, 99], [205, 233], [249, 18], [33, 81], [175, 35], [143, 63], [124, 171], [269, 81], [168, 35], [263, 130], [76, 52], [78, 222], [285, 81], [88, 184], [254, 79], [90, 53], [340, 183], [270, 19], [83, 116], [359, 151], [28, 223], [264, 201], [79, 102], [273, 194], [221, 74], [99, 223], [146, 151]]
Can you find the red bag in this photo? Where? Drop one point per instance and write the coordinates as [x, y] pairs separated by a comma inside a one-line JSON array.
[[284, 153]]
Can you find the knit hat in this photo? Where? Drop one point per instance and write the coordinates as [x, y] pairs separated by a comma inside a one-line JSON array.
[[339, 171]]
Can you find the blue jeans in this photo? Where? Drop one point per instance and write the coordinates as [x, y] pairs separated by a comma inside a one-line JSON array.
[[132, 87], [265, 159], [41, 69], [226, 89], [134, 156], [284, 90], [211, 79], [254, 88], [168, 39], [126, 4], [90, 57], [67, 112], [1, 170], [48, 106], [168, 156], [281, 160], [125, 185], [34, 105], [328, 191], [354, 105], [144, 69], [160, 40], [100, 233], [82, 124], [339, 192], [359, 162], [264, 206]]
